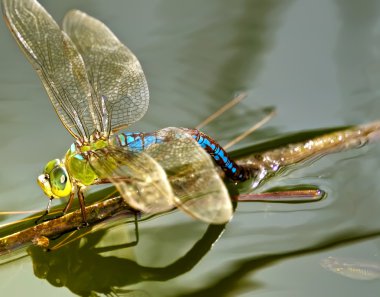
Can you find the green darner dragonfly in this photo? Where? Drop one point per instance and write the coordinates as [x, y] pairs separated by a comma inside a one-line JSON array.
[[98, 88]]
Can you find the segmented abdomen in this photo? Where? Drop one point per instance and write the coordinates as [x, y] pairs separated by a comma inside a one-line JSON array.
[[140, 141], [137, 141], [220, 156]]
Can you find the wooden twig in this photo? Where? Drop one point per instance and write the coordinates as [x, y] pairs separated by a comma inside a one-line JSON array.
[[270, 161], [41, 233]]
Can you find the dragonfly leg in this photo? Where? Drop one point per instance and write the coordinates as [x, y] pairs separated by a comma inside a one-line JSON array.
[[45, 213], [69, 203], [108, 181], [67, 207], [102, 181], [124, 245], [82, 205]]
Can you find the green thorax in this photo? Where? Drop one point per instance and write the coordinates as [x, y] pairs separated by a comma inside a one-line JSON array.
[[78, 166]]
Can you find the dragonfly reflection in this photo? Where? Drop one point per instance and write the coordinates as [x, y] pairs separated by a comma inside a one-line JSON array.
[[97, 87]]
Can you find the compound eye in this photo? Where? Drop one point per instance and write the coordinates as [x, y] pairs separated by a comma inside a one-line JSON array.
[[59, 181], [63, 179], [51, 165]]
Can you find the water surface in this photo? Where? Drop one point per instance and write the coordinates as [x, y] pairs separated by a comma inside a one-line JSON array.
[[317, 62]]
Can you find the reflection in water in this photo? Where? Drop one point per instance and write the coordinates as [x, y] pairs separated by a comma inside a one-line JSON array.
[[227, 284], [84, 270], [352, 268]]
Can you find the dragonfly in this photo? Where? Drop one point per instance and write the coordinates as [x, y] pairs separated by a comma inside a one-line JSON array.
[[98, 89]]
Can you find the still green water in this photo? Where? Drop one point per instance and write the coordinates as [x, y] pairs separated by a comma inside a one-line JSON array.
[[317, 62]]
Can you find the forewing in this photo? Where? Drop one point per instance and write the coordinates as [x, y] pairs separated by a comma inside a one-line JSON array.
[[57, 62], [196, 184], [114, 71], [140, 180]]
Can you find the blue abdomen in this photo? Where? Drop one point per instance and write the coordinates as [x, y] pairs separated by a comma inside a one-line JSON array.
[[220, 156], [140, 141], [136, 141]]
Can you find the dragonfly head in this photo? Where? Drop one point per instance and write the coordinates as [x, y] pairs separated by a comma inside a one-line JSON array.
[[55, 180]]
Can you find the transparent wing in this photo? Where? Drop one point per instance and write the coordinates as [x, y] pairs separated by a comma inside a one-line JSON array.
[[196, 184], [114, 71], [140, 180], [57, 62]]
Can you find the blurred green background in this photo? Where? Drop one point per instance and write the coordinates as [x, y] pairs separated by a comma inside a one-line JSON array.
[[316, 62]]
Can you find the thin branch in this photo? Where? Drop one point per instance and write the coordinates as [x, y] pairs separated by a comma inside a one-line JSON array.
[[42, 233]]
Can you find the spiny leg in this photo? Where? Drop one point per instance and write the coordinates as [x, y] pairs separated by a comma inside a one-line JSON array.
[[123, 245], [136, 213], [69, 203], [82, 205], [67, 207], [40, 219]]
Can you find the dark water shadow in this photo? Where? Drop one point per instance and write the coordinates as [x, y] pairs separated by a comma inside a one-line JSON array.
[[224, 286], [84, 270]]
